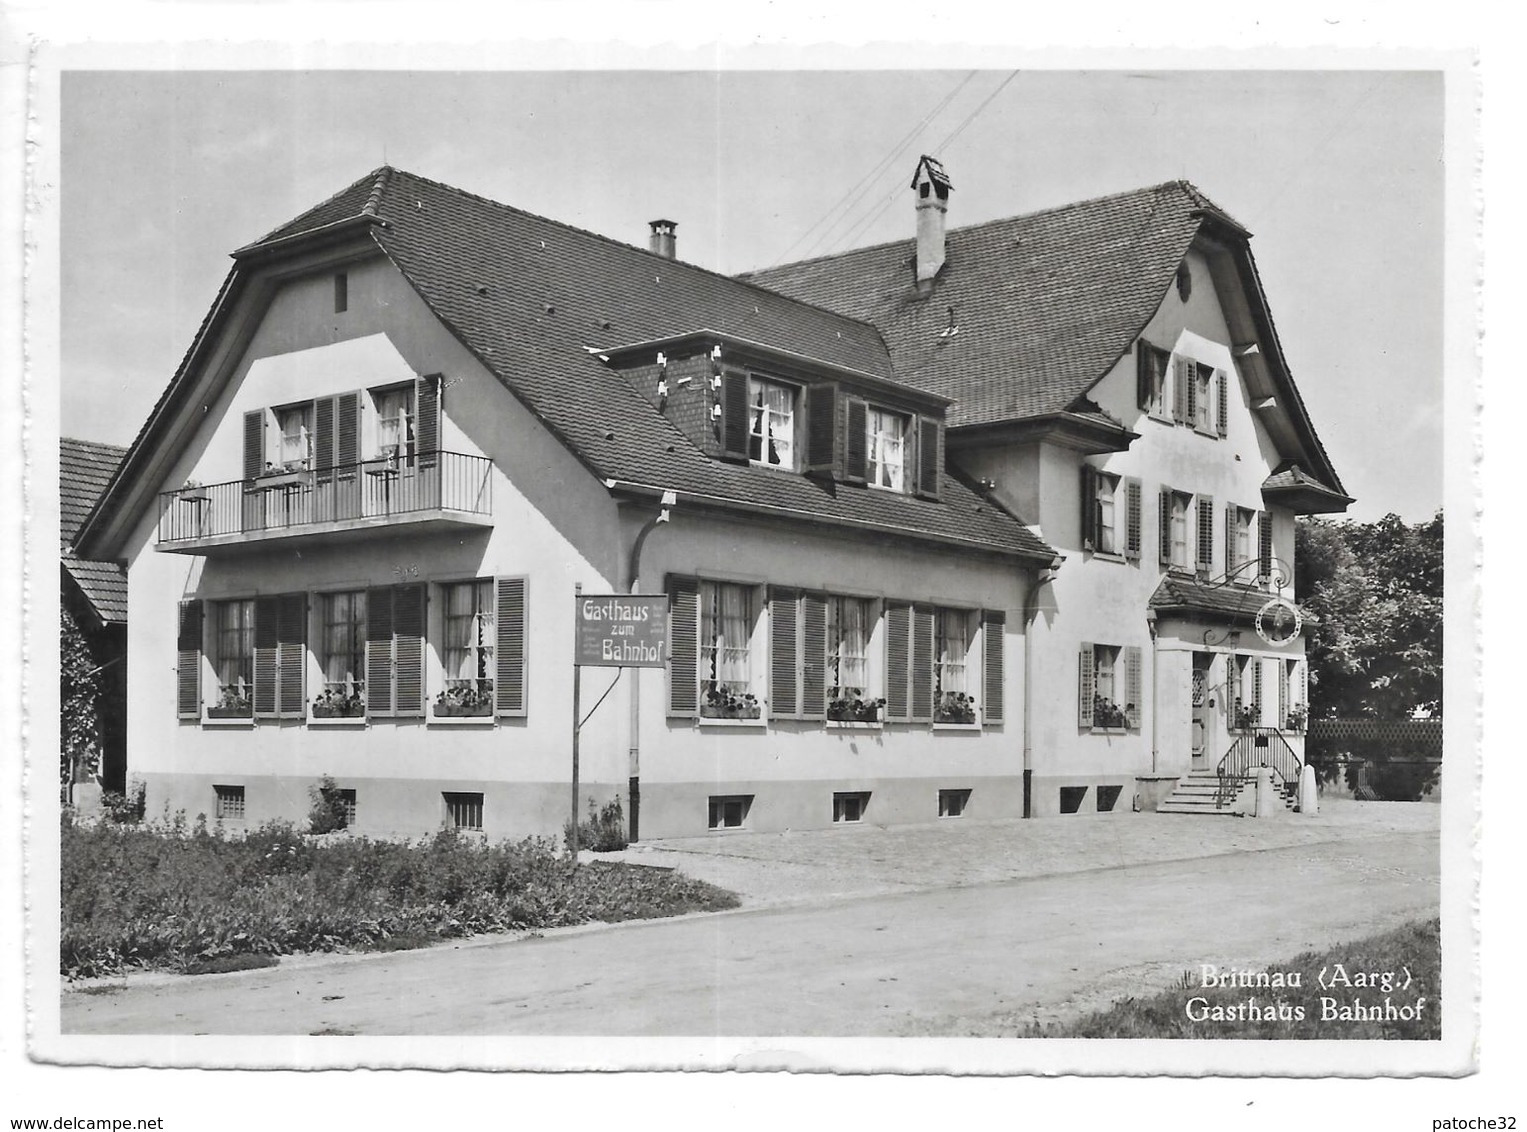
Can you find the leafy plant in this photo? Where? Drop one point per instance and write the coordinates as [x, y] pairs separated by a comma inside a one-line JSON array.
[[465, 697], [234, 700], [1297, 717], [719, 702], [1246, 716], [955, 707], [850, 705], [125, 808], [604, 831], [333, 703], [328, 812]]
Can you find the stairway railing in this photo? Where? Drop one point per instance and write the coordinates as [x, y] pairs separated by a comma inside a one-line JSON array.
[[1256, 747]]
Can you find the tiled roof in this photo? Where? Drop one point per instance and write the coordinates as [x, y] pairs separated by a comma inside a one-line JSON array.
[[1292, 475], [1043, 305], [84, 469], [1224, 601], [529, 297]]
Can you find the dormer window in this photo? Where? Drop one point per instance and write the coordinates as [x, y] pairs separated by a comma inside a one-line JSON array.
[[885, 449], [771, 423]]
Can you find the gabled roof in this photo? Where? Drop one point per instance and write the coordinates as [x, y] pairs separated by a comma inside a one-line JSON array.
[[85, 467], [1030, 312], [1229, 602], [530, 297]]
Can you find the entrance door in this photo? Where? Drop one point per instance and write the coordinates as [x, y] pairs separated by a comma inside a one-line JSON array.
[[1200, 728]]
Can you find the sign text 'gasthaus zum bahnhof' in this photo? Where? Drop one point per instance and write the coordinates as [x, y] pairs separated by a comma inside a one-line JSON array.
[[622, 631]]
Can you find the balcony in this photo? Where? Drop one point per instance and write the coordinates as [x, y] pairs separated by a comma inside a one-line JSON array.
[[417, 493]]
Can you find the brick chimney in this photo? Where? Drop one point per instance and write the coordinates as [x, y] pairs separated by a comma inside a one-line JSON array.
[[931, 184], [663, 241]]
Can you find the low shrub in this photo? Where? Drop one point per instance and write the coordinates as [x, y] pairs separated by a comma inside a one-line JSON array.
[[604, 831], [327, 813], [170, 896], [125, 808]]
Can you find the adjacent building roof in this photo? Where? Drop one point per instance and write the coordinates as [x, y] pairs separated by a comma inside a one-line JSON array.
[[533, 299], [85, 467]]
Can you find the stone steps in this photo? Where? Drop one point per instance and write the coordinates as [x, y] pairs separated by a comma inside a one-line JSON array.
[[1199, 793]]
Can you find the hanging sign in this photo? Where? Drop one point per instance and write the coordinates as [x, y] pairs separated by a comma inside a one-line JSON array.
[[621, 631], [1278, 622]]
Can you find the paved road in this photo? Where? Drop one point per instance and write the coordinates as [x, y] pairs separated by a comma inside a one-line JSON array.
[[948, 961]]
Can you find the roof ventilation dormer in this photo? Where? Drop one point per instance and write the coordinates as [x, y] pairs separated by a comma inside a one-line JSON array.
[[664, 242], [931, 184]]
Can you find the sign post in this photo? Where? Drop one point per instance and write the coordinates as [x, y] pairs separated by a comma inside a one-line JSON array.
[[612, 631]]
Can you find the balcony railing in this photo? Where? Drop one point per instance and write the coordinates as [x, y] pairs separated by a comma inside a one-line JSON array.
[[423, 485]]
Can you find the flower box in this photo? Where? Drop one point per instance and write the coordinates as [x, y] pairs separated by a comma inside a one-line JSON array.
[[281, 479], [954, 707], [854, 709], [333, 711], [196, 495], [244, 712], [717, 703], [454, 711]]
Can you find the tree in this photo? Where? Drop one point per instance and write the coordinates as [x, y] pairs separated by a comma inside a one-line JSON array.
[[1375, 592], [79, 692]]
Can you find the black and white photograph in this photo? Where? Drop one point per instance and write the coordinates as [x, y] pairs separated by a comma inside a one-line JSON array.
[[918, 569]]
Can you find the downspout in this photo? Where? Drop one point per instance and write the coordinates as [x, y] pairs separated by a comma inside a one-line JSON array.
[[1030, 615], [1150, 623], [634, 751]]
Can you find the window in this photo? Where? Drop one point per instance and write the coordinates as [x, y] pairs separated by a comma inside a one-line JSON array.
[[885, 449], [1110, 513], [294, 437], [1293, 696], [771, 423], [848, 632], [1107, 488], [463, 811], [953, 702], [1202, 400], [1108, 797], [347, 801], [395, 651], [395, 422], [725, 665], [1205, 542], [1153, 365], [228, 803], [280, 655], [1071, 799], [233, 654], [468, 652], [728, 811], [341, 292], [849, 807], [342, 654], [1174, 528], [1238, 522], [951, 803], [1109, 684]]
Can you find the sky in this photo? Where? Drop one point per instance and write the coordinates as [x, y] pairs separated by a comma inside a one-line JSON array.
[[1338, 175]]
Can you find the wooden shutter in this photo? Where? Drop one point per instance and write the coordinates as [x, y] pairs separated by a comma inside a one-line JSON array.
[[379, 651], [509, 647], [408, 650], [1144, 383], [734, 415], [1166, 526], [993, 654], [347, 439], [1282, 693], [1304, 684], [427, 423], [323, 433], [930, 462], [1134, 518], [1256, 697], [898, 662], [291, 655], [1206, 533], [1222, 398], [1232, 521], [922, 664], [683, 646], [1086, 658], [784, 654], [1133, 681], [254, 443], [1232, 687], [1264, 545], [266, 641], [813, 656], [1089, 507], [188, 641], [1182, 387], [856, 441]]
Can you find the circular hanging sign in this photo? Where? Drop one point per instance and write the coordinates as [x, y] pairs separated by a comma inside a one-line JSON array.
[[1278, 622]]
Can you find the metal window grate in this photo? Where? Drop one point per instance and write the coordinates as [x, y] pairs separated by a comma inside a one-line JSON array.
[[230, 803], [463, 811]]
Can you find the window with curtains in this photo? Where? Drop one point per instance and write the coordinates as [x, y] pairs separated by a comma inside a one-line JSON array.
[[1175, 537], [342, 656], [468, 649], [771, 423], [294, 433], [850, 697], [233, 655], [395, 421], [885, 449], [725, 651], [952, 699], [1238, 540], [1107, 521], [1109, 690]]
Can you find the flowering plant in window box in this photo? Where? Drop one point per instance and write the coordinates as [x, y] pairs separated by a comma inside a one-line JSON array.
[[1108, 715], [192, 492], [335, 704], [1297, 717], [723, 703], [1246, 716], [231, 704], [850, 705], [466, 698], [954, 707]]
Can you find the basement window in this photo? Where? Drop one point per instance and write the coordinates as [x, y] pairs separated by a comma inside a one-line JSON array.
[[849, 807], [1071, 798], [729, 811], [952, 803], [463, 811], [1108, 797], [229, 805], [347, 800]]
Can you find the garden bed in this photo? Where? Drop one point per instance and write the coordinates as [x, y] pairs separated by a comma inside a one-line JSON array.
[[174, 898]]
